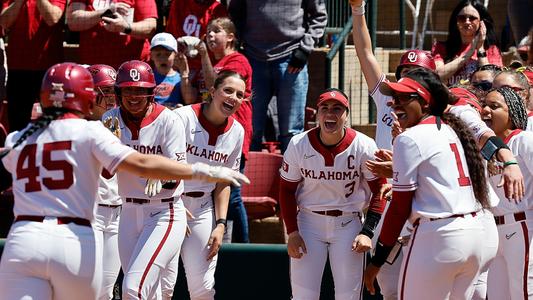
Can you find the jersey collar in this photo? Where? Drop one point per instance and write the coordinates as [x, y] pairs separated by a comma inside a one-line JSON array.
[[510, 136], [213, 131], [134, 127], [329, 154]]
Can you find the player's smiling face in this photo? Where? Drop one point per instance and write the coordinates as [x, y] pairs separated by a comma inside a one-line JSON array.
[[408, 108], [496, 114], [332, 116], [228, 96], [135, 100]]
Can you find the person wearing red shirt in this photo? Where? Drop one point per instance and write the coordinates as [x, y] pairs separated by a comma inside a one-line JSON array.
[[111, 33], [35, 44], [190, 18]]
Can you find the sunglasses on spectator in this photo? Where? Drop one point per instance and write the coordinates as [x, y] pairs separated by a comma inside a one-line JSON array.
[[405, 98], [483, 85], [463, 18]]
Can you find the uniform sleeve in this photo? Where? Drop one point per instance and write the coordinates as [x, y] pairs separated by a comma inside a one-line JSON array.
[[237, 152], [9, 160], [315, 20], [473, 121], [526, 152], [145, 9], [406, 158], [290, 170], [174, 146], [368, 154], [107, 148]]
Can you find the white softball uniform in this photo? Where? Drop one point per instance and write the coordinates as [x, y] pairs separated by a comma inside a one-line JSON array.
[[444, 248], [151, 230], [217, 146], [51, 251], [329, 179], [388, 276], [510, 274], [107, 216], [529, 126]]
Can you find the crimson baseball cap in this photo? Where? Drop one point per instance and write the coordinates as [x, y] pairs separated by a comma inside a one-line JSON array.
[[405, 85], [333, 95]]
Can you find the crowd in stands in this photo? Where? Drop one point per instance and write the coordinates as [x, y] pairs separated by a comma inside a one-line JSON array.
[[194, 46]]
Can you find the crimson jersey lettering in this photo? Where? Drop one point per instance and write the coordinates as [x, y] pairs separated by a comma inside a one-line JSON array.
[[211, 155], [329, 175], [147, 149]]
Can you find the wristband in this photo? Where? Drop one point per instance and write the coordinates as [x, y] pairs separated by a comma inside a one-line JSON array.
[[127, 30], [481, 54], [359, 10], [493, 145], [509, 163], [222, 221]]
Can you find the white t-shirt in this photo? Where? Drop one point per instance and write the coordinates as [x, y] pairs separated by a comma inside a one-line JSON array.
[[216, 146], [330, 178], [521, 144], [160, 133], [432, 163], [56, 171]]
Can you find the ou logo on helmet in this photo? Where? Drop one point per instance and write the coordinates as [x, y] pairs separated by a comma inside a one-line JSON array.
[[135, 75], [332, 94], [412, 57]]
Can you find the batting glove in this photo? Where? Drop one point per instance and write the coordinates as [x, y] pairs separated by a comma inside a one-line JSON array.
[[206, 172], [153, 187]]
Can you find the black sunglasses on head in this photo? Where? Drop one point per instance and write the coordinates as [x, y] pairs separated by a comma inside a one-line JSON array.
[[463, 18]]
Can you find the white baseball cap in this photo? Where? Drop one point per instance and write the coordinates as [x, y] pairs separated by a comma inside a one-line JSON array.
[[166, 40]]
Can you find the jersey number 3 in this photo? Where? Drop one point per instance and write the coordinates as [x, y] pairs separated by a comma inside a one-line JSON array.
[[463, 180], [31, 170]]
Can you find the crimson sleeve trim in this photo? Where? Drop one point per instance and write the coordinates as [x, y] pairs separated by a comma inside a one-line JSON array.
[[287, 202], [398, 212]]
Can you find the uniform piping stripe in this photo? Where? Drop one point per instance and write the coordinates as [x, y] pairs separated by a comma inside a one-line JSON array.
[[157, 250], [289, 180], [362, 278], [526, 258], [381, 79], [402, 297]]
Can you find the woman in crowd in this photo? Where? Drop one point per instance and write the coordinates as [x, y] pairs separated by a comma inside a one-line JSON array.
[[510, 272], [443, 201], [471, 43], [482, 78]]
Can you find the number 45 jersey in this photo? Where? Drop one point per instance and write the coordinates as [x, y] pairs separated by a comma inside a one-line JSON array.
[[56, 172], [330, 177]]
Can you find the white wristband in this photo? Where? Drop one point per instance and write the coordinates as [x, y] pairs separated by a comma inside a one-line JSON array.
[[359, 10]]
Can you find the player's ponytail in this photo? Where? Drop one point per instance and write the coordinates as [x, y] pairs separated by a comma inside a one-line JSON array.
[[474, 161], [49, 114]]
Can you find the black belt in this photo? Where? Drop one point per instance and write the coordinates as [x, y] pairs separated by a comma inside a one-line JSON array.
[[194, 194], [331, 213], [60, 220], [146, 201], [519, 216], [109, 205], [473, 214]]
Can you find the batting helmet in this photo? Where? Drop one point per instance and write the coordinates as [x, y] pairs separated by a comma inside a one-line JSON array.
[[417, 58], [103, 75], [466, 97], [70, 86], [135, 73]]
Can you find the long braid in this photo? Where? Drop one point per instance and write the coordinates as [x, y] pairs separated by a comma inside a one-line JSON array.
[[517, 108], [476, 168], [42, 122]]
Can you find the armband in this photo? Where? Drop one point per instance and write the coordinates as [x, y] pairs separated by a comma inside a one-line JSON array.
[[492, 146], [381, 254], [371, 222]]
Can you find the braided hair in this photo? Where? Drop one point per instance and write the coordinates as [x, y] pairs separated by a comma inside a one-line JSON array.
[[49, 115], [517, 108], [441, 98]]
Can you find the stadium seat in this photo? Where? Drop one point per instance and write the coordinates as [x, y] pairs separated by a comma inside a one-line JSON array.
[[261, 196]]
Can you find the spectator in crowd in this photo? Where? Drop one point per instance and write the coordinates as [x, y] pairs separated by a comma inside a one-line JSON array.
[[35, 44], [111, 33], [278, 37], [482, 78], [530, 49], [190, 18], [517, 81], [163, 50], [471, 43]]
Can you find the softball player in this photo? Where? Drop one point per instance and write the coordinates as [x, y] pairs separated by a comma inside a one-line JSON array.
[[389, 276], [151, 229], [323, 191], [51, 250], [441, 199], [510, 272], [215, 138], [109, 202]]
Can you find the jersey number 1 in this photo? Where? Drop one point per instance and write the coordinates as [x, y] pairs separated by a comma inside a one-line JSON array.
[[31, 170], [463, 180]]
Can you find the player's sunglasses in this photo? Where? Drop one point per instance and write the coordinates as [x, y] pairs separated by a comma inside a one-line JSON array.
[[404, 98], [463, 18], [483, 85]]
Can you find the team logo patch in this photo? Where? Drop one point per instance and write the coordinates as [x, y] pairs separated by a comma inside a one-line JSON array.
[[395, 176], [58, 94], [111, 74], [332, 94], [285, 167], [412, 57], [135, 75], [180, 156]]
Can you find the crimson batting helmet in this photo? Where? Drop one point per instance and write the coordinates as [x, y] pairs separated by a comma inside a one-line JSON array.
[[103, 75], [417, 58], [135, 73], [69, 86]]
